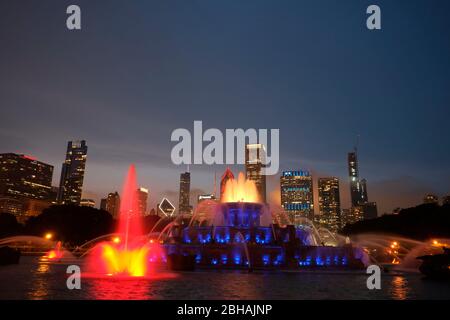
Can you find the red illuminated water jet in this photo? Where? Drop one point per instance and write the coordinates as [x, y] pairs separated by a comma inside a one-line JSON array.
[[129, 253], [54, 254]]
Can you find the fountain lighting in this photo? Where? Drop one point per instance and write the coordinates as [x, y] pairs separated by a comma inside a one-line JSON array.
[[240, 190], [129, 254], [55, 254]]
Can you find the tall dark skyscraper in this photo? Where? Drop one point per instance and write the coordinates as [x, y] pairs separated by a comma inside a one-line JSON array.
[[72, 173], [254, 163], [297, 194], [362, 208], [329, 203], [185, 190], [112, 204], [358, 187], [356, 194]]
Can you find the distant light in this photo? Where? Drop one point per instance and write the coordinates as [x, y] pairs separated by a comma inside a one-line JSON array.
[[48, 236], [116, 240]]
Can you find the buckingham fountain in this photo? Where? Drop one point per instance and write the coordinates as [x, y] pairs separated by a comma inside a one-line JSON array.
[[240, 232], [237, 233]]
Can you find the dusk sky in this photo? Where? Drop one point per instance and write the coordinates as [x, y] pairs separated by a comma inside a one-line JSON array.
[[140, 69]]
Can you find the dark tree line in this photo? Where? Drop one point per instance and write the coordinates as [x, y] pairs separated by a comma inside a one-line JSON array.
[[72, 225], [423, 222]]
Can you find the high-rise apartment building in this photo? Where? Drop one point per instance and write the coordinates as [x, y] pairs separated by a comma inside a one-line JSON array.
[[358, 192], [329, 203], [255, 155], [111, 204], [142, 198], [22, 176], [185, 192], [72, 173], [297, 194]]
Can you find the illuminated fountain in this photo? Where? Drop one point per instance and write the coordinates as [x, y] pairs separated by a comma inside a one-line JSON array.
[[128, 253], [240, 232], [396, 252], [56, 253]]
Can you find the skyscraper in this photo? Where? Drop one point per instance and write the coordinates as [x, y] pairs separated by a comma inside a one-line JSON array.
[[227, 175], [22, 176], [254, 163], [185, 190], [352, 215], [356, 194], [72, 173], [370, 210], [364, 197], [112, 204], [142, 198], [361, 207], [329, 203], [25, 185], [297, 194], [103, 204]]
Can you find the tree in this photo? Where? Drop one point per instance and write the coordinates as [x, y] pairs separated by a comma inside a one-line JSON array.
[[9, 225], [71, 224], [422, 222]]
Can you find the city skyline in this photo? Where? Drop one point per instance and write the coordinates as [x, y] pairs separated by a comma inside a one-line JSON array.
[[170, 67], [238, 154], [359, 208]]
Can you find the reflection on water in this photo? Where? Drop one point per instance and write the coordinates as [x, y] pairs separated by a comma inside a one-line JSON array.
[[120, 289], [32, 279], [39, 284], [400, 288], [43, 267]]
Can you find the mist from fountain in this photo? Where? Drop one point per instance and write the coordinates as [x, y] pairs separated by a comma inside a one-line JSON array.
[[398, 251], [24, 240]]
